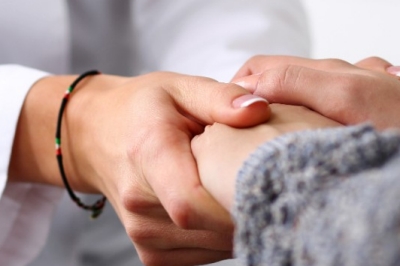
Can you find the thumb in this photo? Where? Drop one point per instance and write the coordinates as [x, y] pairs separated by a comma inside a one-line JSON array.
[[209, 101]]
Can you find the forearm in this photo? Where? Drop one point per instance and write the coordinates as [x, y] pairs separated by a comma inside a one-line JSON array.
[[25, 209], [33, 154]]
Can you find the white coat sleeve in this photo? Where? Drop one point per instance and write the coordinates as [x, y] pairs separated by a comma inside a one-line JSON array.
[[215, 38], [25, 209]]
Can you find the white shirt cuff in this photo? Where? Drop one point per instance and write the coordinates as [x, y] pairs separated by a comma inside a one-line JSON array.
[[15, 82], [25, 209]]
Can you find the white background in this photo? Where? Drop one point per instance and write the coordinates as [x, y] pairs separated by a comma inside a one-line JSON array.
[[352, 30], [355, 29]]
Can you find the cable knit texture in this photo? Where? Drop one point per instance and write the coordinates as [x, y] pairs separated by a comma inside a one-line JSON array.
[[327, 197]]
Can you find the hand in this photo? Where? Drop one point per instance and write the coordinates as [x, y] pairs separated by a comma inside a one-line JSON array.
[[221, 150], [347, 93], [129, 138]]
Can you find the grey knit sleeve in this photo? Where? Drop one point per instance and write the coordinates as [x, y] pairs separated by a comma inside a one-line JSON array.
[[328, 197]]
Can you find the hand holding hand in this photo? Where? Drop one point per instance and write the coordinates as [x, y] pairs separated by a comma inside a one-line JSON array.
[[129, 138]]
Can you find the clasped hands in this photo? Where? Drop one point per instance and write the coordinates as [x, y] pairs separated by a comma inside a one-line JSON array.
[[161, 200], [131, 139], [339, 94]]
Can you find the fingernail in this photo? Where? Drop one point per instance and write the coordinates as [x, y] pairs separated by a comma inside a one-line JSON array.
[[241, 83], [248, 81], [394, 70], [247, 100]]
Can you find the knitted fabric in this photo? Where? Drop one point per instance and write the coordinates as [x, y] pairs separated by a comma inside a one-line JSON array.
[[327, 197]]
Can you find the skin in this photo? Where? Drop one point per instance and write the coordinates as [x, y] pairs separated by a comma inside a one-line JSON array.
[[349, 94], [129, 139], [131, 142], [221, 149]]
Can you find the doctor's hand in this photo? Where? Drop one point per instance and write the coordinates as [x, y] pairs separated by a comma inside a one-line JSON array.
[[349, 94], [129, 138]]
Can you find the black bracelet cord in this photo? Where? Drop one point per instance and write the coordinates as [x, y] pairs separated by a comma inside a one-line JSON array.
[[98, 206]]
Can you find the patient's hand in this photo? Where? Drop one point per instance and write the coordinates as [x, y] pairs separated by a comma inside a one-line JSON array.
[[349, 94], [221, 150]]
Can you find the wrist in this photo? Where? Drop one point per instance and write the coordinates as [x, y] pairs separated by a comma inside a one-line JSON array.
[[33, 155], [83, 133], [32, 158]]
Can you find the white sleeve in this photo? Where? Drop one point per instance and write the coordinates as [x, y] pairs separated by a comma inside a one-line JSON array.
[[25, 209], [215, 38]]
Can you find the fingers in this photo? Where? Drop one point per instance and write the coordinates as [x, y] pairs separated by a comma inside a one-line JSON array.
[[158, 241], [164, 159], [333, 94], [187, 202], [180, 192], [154, 232], [209, 101], [261, 63]]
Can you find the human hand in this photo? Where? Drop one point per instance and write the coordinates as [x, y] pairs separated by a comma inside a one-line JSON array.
[[347, 93], [221, 150], [130, 139]]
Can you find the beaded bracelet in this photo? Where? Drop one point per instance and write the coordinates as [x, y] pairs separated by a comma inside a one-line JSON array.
[[98, 206]]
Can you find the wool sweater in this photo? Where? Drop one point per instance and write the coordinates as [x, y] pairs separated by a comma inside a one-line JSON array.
[[326, 197]]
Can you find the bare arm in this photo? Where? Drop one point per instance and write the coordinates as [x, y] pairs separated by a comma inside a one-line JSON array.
[[129, 137]]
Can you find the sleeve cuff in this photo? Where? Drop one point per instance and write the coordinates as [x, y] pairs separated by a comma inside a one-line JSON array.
[[278, 181], [15, 82], [25, 217]]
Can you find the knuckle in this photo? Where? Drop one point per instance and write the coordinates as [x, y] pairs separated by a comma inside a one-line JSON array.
[[132, 200], [144, 231], [138, 234], [180, 212], [333, 63]]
